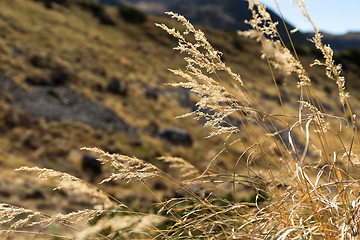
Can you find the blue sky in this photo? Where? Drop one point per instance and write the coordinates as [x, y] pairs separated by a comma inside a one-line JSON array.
[[330, 16]]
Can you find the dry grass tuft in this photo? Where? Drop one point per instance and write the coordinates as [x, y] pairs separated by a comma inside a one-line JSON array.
[[302, 169]]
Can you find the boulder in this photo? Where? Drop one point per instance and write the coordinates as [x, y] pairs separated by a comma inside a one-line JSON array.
[[158, 185], [91, 166], [328, 90], [152, 93], [36, 194], [36, 81], [176, 136], [40, 61], [114, 86], [60, 77]]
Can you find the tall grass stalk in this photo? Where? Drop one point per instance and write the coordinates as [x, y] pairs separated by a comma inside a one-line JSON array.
[[303, 172]]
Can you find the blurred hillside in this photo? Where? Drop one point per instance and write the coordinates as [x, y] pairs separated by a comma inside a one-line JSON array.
[[230, 15], [347, 41], [224, 15], [70, 79]]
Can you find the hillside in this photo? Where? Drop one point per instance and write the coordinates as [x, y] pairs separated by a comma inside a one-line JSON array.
[[224, 15], [350, 40], [57, 66], [68, 81], [230, 15]]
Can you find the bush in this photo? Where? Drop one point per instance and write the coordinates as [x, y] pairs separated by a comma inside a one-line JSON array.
[[131, 15], [97, 9], [62, 2], [48, 3]]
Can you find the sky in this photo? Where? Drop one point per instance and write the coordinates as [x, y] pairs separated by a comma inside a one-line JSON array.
[[331, 16]]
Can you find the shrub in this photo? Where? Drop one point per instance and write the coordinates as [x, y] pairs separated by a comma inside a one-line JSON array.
[[48, 3], [301, 168], [97, 9], [62, 2], [131, 15]]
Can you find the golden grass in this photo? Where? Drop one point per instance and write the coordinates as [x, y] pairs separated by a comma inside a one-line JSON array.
[[299, 161]]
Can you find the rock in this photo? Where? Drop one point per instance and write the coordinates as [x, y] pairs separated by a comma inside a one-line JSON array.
[[114, 86], [37, 81], [36, 194], [102, 72], [159, 186], [279, 80], [91, 166], [152, 93], [328, 90], [40, 62], [60, 77], [176, 136], [58, 103]]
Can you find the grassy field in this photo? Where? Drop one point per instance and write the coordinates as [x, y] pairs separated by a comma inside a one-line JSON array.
[[38, 43]]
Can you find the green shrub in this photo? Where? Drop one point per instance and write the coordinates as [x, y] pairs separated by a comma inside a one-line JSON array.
[[97, 9], [131, 15], [62, 2]]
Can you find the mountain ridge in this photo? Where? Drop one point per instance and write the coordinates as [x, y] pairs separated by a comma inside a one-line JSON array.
[[230, 15]]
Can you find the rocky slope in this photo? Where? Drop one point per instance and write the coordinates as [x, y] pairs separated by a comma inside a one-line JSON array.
[[68, 80]]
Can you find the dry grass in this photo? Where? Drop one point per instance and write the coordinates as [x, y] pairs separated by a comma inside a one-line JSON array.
[[301, 163], [306, 189]]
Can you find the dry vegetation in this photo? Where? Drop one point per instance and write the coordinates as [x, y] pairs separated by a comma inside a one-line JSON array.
[[281, 161]]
